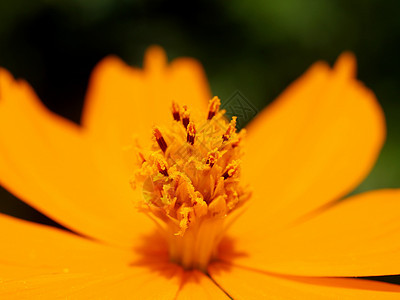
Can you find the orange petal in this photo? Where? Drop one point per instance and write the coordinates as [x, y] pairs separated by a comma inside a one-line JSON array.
[[49, 163], [359, 236], [38, 261], [45, 262], [125, 102], [197, 285], [313, 145], [247, 284], [27, 248], [157, 282]]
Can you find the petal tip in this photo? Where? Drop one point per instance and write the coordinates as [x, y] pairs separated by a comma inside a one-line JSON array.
[[5, 76], [108, 62], [346, 64], [155, 57], [6, 80]]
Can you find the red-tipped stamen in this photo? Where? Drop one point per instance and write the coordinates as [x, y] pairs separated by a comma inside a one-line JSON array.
[[231, 169], [212, 157], [160, 139], [213, 107], [185, 116], [141, 156], [231, 130], [162, 167], [191, 133], [175, 111]]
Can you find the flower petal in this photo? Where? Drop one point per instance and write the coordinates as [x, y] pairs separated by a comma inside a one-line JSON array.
[[313, 145], [28, 247], [125, 102], [242, 283], [359, 236], [49, 163], [197, 285], [136, 282], [38, 261]]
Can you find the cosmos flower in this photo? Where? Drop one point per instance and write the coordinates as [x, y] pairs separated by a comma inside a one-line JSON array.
[[166, 199]]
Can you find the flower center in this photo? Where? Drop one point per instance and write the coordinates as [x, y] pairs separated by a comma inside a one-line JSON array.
[[190, 182]]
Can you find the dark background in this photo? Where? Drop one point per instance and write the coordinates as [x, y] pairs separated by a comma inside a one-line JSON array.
[[255, 46]]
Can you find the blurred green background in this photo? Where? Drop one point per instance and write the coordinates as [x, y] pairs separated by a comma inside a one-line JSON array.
[[255, 46]]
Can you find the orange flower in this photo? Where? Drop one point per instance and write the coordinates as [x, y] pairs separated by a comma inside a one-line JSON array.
[[290, 239]]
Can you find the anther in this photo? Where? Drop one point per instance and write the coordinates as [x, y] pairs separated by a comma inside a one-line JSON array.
[[175, 111], [162, 166], [213, 107], [141, 156], [231, 129], [236, 143], [185, 116], [212, 157], [191, 133], [160, 139], [231, 169]]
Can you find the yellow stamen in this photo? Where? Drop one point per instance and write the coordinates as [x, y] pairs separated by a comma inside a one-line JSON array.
[[185, 116], [192, 189], [231, 169], [231, 129], [175, 111], [141, 156], [191, 133], [213, 107], [212, 157], [162, 166], [160, 139]]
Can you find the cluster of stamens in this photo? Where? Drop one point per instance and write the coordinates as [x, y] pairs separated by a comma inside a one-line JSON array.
[[190, 181]]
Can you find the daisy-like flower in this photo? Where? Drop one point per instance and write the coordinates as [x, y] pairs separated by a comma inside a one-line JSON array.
[[166, 199]]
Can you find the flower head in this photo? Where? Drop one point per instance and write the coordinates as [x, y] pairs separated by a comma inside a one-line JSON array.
[[169, 200], [190, 182]]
